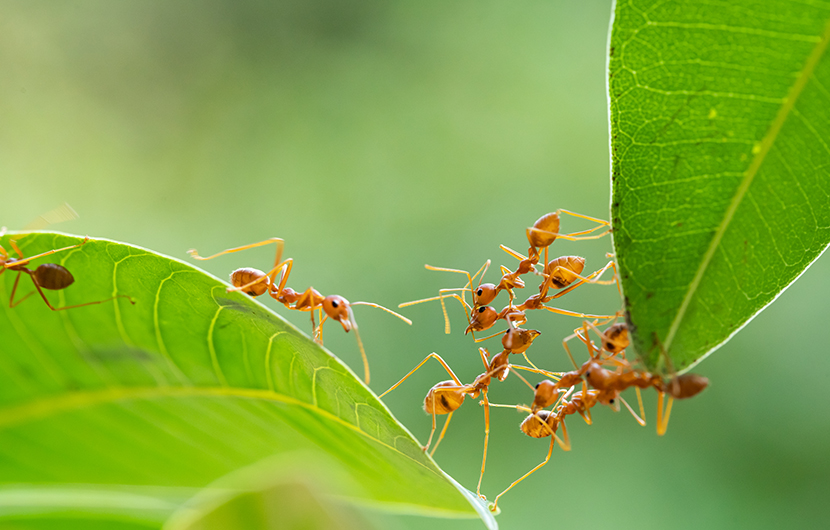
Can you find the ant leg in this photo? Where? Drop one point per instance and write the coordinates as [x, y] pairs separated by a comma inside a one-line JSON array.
[[459, 271], [512, 253], [486, 439], [575, 314], [640, 401], [524, 354], [663, 419], [14, 290], [24, 261], [60, 214], [432, 432], [313, 324], [441, 436], [441, 297], [490, 337], [494, 506], [280, 243], [371, 304], [484, 357], [359, 345], [69, 306], [601, 222], [568, 349], [640, 420], [428, 357], [566, 444], [525, 381], [552, 375]]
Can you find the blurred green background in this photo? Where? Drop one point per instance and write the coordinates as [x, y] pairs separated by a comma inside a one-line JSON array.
[[375, 137]]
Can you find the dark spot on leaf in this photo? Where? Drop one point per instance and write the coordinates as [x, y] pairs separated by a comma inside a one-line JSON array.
[[125, 353]]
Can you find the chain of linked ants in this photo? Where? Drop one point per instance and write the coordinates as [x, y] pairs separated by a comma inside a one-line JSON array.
[[601, 379]]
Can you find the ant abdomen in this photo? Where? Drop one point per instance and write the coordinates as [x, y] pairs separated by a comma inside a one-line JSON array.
[[687, 385], [615, 338], [544, 230], [563, 271], [53, 276], [540, 425], [443, 401], [247, 275]]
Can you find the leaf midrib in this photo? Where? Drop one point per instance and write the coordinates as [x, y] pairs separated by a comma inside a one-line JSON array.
[[42, 408], [764, 148]]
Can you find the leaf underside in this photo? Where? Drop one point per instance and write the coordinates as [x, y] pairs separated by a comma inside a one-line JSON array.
[[189, 384], [720, 124]]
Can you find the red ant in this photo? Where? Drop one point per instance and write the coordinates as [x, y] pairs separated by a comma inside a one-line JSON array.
[[614, 340], [50, 276], [447, 396], [544, 423], [546, 229], [255, 282], [481, 296]]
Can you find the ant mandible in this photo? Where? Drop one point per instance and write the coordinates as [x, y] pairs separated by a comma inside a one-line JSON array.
[[255, 282], [50, 276]]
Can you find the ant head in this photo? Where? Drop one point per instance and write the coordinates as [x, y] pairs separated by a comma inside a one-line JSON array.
[[544, 230], [597, 376], [337, 308], [482, 318], [544, 396], [485, 294], [609, 398], [518, 340]]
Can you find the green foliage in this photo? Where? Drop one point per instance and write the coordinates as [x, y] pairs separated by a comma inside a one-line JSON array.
[[148, 403], [720, 117]]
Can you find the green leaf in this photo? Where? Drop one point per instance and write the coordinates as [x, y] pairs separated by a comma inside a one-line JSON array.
[[720, 124], [157, 400], [285, 492]]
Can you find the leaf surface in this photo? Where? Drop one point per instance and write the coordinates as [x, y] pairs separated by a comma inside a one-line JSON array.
[[185, 386], [720, 125]]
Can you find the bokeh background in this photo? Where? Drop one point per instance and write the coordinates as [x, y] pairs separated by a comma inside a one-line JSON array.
[[375, 137]]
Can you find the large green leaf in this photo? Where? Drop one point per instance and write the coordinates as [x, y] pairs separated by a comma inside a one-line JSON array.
[[145, 404], [720, 124]]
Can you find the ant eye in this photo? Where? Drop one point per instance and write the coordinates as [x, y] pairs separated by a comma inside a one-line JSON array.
[[480, 292], [537, 385], [334, 304], [611, 401], [481, 309]]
